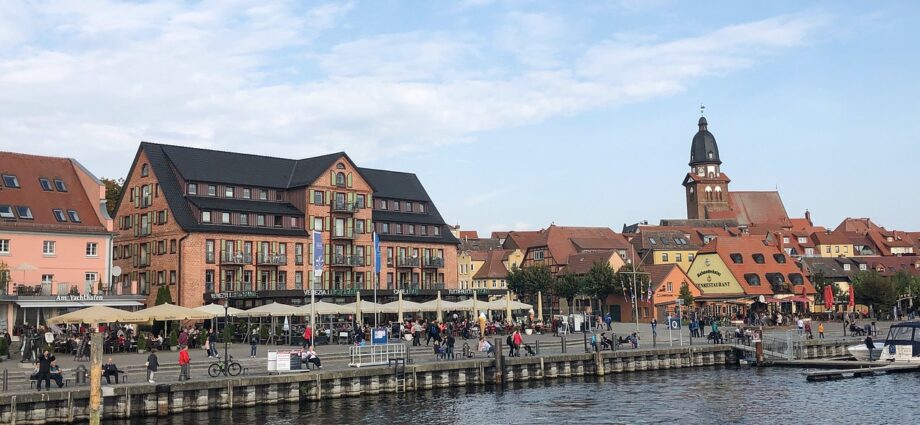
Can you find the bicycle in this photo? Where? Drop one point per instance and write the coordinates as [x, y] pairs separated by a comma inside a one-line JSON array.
[[232, 368]]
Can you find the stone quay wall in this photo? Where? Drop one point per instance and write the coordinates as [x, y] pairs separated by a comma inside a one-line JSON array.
[[148, 400]]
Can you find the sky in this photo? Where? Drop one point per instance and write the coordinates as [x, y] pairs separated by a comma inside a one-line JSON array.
[[514, 114]]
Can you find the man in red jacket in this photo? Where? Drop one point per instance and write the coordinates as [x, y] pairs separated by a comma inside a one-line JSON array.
[[184, 361], [307, 336]]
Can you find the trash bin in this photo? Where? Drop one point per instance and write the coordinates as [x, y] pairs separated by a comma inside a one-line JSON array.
[[79, 375]]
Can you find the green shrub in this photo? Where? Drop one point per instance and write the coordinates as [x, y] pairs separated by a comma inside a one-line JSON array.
[[173, 338], [227, 333], [4, 347], [263, 333], [141, 343]]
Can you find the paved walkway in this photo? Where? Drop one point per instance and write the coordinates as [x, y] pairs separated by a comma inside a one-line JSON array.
[[336, 356]]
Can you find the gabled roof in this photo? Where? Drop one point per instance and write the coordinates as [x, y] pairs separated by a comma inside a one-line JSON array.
[[395, 185], [665, 239], [658, 273], [859, 225], [582, 263], [479, 244], [469, 234], [521, 239], [562, 241], [28, 169], [747, 247], [832, 238], [758, 207], [493, 268]]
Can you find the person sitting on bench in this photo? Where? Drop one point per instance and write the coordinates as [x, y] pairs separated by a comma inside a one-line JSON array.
[[55, 373], [311, 357], [108, 370]]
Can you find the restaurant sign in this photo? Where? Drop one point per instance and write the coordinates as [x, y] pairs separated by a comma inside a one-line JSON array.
[[84, 297], [712, 276]]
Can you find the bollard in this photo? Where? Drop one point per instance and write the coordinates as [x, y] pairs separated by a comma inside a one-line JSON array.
[[6, 380], [563, 343], [408, 349], [537, 343], [79, 375], [499, 361]]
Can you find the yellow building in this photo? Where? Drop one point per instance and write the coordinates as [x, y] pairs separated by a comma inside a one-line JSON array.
[[830, 244], [665, 247], [471, 257]]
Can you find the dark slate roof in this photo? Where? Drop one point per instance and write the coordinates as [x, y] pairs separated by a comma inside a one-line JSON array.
[[240, 205], [402, 217], [206, 165], [703, 143], [395, 185], [446, 237]]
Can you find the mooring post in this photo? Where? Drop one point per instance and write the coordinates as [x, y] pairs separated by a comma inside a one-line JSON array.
[[95, 380], [499, 361]]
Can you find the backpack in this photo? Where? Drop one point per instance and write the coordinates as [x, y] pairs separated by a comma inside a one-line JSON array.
[[509, 341]]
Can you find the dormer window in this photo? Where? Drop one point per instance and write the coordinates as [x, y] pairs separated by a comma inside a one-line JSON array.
[[212, 190], [758, 258], [796, 278], [263, 194], [785, 239], [74, 217], [779, 258], [802, 240], [862, 267], [421, 207], [6, 211], [752, 279], [46, 184], [59, 184], [228, 192], [846, 267], [10, 180], [25, 213], [192, 189], [736, 258], [59, 215]]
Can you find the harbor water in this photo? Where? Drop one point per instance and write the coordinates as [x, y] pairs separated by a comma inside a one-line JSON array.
[[698, 396]]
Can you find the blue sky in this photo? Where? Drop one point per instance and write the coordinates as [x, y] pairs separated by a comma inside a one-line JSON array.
[[514, 114]]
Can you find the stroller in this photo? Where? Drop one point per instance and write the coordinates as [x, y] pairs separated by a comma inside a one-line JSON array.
[[528, 350]]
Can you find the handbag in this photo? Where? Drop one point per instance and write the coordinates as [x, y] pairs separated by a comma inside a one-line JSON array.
[[146, 364]]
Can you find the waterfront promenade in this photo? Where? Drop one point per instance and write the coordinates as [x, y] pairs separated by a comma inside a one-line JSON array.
[[335, 356]]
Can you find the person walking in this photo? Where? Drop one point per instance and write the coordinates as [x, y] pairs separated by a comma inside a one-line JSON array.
[[212, 344], [450, 346], [654, 327], [608, 320], [153, 364], [416, 335], [510, 341], [44, 370], [870, 346], [518, 341], [253, 342], [308, 336], [184, 361], [800, 325], [821, 330]]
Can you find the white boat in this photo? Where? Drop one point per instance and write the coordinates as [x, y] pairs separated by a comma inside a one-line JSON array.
[[901, 346]]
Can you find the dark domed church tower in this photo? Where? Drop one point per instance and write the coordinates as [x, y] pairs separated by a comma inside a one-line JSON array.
[[706, 186]]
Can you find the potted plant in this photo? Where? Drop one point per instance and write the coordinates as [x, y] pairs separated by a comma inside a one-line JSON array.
[[4, 349], [173, 340], [141, 343]]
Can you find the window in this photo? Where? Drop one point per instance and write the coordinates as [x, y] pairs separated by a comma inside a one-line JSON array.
[[538, 255], [228, 192], [293, 222], [244, 219], [670, 287], [59, 184], [47, 278], [209, 251], [359, 201], [212, 190], [736, 258], [205, 216], [172, 277], [678, 257], [279, 221], [144, 170], [664, 256], [318, 224], [247, 193], [10, 180], [4, 246], [796, 278], [48, 248], [6, 211], [422, 229], [758, 258], [383, 204], [779, 258], [785, 239], [340, 179], [837, 249], [408, 206], [172, 246], [411, 229], [59, 215], [260, 220], [192, 189], [396, 205], [90, 277], [397, 229], [862, 267], [752, 279], [421, 208], [263, 194], [25, 213], [359, 226], [846, 267], [46, 184], [802, 240], [652, 241], [74, 217], [225, 218], [91, 249], [385, 228], [827, 249], [437, 231], [318, 197]]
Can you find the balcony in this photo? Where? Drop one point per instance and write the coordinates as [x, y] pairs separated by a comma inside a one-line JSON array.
[[433, 285], [342, 234], [344, 207], [407, 262], [347, 261], [265, 259], [235, 258], [433, 262]]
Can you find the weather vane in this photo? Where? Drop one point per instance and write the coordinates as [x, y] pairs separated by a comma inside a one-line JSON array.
[[702, 109]]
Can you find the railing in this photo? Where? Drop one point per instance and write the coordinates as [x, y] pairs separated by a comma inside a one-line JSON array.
[[271, 259], [237, 258], [348, 207], [433, 262], [407, 262], [432, 285], [343, 234], [347, 260], [380, 354]]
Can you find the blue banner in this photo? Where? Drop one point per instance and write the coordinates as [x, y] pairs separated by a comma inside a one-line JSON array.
[[376, 253], [319, 257]]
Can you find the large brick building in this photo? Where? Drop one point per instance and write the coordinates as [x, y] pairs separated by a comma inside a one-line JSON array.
[[203, 222]]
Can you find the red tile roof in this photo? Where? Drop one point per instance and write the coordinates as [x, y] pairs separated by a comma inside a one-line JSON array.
[[493, 267], [747, 247], [561, 240], [833, 238], [758, 207], [859, 225], [469, 234], [582, 263], [28, 169], [521, 239]]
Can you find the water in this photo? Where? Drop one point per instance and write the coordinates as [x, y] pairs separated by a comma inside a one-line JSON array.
[[698, 396]]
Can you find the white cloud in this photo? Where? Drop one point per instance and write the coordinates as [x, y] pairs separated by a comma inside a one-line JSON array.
[[93, 80]]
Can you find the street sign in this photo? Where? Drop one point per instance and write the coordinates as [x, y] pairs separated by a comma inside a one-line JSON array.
[[674, 322]]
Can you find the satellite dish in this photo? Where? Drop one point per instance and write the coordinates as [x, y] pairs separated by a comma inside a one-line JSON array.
[[116, 271]]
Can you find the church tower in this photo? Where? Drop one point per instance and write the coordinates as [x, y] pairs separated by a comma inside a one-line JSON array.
[[706, 186]]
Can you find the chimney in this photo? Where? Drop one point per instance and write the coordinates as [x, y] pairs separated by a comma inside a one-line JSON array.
[[779, 242], [808, 217]]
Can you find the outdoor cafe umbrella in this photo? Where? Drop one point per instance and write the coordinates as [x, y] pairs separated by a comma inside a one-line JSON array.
[[271, 310], [397, 308], [167, 312], [98, 314], [25, 267], [828, 297], [217, 310], [324, 309]]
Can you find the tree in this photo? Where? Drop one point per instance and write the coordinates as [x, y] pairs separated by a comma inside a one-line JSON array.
[[4, 275], [113, 190], [568, 286], [163, 295], [875, 290], [600, 282], [685, 295], [527, 281]]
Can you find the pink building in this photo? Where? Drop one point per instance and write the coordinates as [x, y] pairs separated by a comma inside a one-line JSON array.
[[55, 241]]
